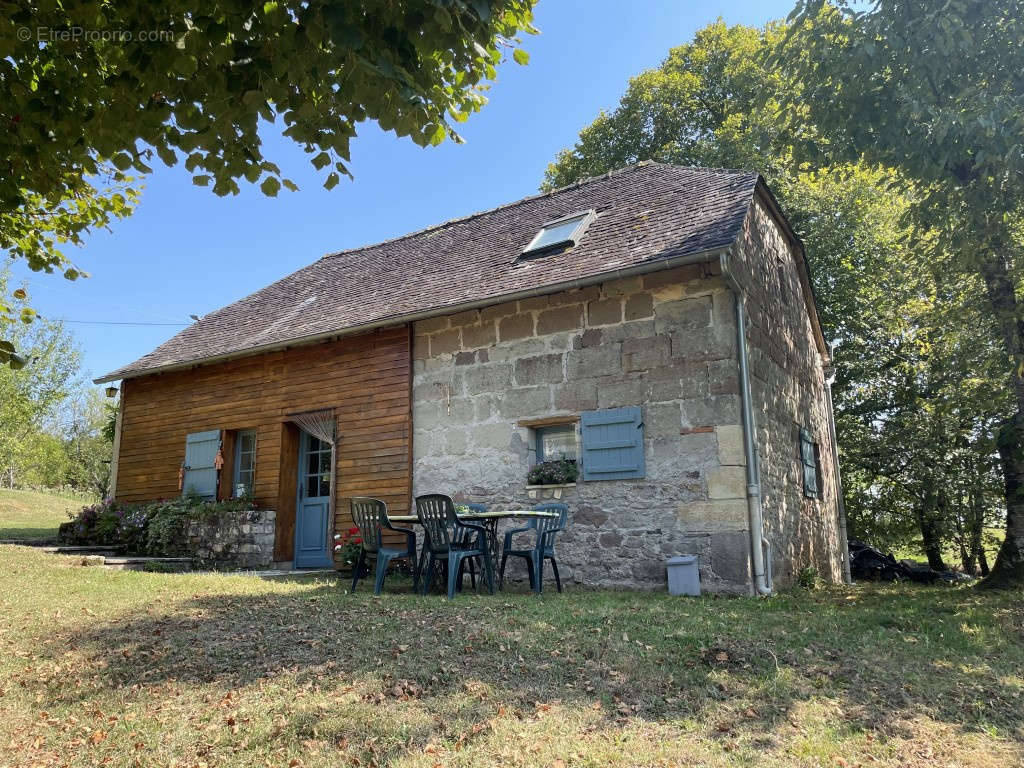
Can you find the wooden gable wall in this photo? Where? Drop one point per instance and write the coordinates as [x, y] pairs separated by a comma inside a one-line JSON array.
[[366, 379]]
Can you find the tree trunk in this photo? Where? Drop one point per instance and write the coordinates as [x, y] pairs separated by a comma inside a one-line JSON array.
[[1009, 568], [927, 522], [967, 560], [932, 541], [976, 527], [962, 527]]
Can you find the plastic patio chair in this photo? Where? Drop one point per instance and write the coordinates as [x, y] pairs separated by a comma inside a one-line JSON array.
[[543, 546], [473, 507], [450, 541], [371, 517]]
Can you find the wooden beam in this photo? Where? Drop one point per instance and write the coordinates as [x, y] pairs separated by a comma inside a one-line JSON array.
[[549, 421]]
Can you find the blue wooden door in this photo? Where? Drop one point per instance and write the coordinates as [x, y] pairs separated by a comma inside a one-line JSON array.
[[312, 512]]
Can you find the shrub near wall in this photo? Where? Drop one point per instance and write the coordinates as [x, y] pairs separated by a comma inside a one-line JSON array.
[[157, 529]]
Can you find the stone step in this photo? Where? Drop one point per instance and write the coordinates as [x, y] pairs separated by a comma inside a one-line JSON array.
[[69, 550], [173, 564], [291, 574]]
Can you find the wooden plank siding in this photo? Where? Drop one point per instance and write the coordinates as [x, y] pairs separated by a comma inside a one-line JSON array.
[[365, 379]]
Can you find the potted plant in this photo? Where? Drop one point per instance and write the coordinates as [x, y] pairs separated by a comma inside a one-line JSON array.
[[347, 546], [558, 472]]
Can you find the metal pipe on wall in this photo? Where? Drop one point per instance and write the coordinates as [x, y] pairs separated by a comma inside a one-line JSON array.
[[758, 541], [844, 542]]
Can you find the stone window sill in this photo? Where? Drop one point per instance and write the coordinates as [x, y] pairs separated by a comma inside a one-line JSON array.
[[554, 485]]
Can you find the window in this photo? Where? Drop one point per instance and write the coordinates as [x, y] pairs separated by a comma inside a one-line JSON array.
[[809, 459], [613, 444], [245, 463], [783, 285], [567, 230], [316, 474], [556, 442]]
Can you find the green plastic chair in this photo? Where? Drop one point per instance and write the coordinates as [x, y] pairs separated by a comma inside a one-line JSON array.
[[450, 541], [543, 546], [371, 517], [476, 508]]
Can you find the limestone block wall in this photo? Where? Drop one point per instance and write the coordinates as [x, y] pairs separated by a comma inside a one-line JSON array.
[[664, 341], [233, 540], [789, 392]]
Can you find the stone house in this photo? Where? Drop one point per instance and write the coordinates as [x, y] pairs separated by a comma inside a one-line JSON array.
[[598, 323]]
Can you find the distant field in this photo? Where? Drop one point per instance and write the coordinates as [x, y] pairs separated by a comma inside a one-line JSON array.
[[32, 515]]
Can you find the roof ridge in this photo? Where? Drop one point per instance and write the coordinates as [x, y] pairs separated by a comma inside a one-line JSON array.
[[578, 183], [713, 169]]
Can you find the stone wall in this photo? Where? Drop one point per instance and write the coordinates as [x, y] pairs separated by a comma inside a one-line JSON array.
[[788, 387], [234, 540], [664, 341]]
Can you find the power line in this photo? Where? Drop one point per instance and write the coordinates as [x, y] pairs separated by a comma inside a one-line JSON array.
[[115, 322]]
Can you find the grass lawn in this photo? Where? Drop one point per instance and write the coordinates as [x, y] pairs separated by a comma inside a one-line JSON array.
[[115, 668], [31, 515]]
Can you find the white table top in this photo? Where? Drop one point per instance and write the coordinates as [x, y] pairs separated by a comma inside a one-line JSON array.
[[489, 515]]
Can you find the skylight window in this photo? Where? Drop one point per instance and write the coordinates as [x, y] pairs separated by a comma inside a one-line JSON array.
[[565, 231]]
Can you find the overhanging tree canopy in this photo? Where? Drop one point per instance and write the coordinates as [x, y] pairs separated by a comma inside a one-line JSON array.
[[192, 81]]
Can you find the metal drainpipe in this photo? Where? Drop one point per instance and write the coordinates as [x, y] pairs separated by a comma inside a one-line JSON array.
[[115, 457], [759, 544], [840, 502]]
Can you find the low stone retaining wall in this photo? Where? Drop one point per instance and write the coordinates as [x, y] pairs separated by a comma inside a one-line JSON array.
[[234, 540]]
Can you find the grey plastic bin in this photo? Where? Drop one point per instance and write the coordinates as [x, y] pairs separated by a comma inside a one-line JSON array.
[[683, 575]]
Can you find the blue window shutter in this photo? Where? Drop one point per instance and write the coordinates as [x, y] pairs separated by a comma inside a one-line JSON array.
[[613, 444], [809, 459], [200, 454]]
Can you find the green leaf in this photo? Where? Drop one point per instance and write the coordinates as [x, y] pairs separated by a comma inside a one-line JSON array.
[[322, 160], [20, 294], [332, 181], [168, 155], [270, 186], [202, 180], [521, 57], [186, 65], [436, 134]]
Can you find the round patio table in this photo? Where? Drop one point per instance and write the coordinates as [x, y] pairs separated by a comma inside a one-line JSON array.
[[489, 520]]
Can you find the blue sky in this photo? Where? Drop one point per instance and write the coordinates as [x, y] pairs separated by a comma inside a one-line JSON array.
[[186, 251]]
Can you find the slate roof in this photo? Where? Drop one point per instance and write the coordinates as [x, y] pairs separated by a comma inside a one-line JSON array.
[[645, 212]]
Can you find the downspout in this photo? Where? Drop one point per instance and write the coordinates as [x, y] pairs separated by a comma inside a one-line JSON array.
[[844, 543], [760, 547], [115, 456]]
